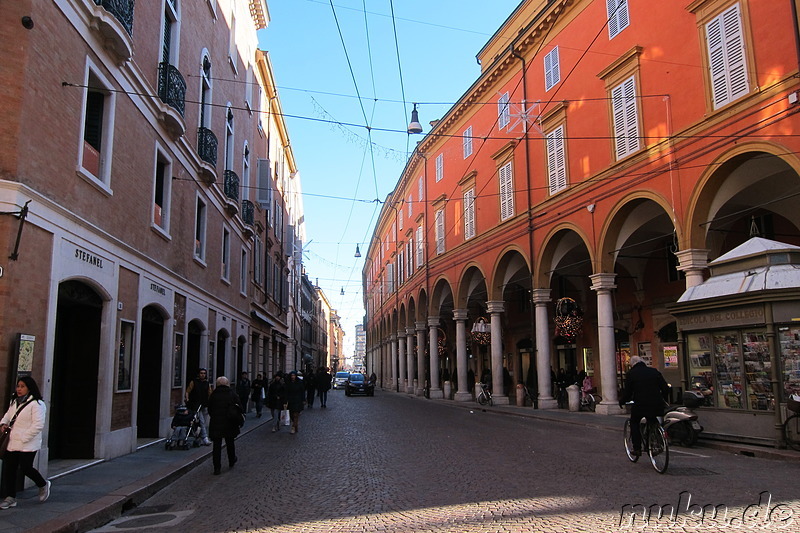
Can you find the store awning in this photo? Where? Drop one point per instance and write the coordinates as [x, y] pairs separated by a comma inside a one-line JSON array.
[[258, 315]]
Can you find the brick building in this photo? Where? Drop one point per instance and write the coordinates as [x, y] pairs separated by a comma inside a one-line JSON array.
[[144, 172]]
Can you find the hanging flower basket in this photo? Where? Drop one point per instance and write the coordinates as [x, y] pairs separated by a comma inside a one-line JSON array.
[[441, 340], [481, 331], [568, 319]]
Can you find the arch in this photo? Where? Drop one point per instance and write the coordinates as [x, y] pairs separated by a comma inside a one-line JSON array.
[[151, 369], [511, 262], [441, 297], [566, 243], [195, 332], [746, 180]]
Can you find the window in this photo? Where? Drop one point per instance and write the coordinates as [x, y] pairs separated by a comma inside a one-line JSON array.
[[400, 269], [469, 214], [205, 93], [245, 187], [177, 361], [556, 160], [124, 356], [226, 254], [506, 191], [617, 16], [229, 128], [726, 57], [233, 53], [419, 189], [248, 90], [440, 231], [264, 192], [243, 272], [409, 207], [257, 261], [552, 70], [400, 218], [626, 118], [467, 142], [503, 112], [410, 256], [171, 36], [200, 230], [98, 130], [420, 249], [162, 192], [439, 167]]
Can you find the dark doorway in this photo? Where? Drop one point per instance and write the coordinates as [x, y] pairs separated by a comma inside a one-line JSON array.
[[194, 351], [241, 352], [73, 402], [222, 345], [148, 414]]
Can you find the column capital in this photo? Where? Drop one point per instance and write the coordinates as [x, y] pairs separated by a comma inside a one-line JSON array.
[[692, 258], [401, 332], [496, 306], [603, 281], [420, 325], [460, 314], [393, 337], [410, 330], [541, 296], [433, 321]]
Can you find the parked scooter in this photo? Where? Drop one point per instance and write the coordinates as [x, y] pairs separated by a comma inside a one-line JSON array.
[[681, 422]]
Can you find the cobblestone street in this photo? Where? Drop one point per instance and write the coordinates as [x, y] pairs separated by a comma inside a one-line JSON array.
[[398, 464]]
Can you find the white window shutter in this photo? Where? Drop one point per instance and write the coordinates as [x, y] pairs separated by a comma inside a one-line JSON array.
[[469, 214], [726, 57], [440, 231], [552, 73], [556, 160], [264, 196], [626, 118], [420, 249], [506, 192]]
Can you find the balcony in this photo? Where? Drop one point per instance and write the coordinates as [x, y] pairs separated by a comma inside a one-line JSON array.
[[172, 92], [230, 186], [207, 150], [113, 20], [248, 217]]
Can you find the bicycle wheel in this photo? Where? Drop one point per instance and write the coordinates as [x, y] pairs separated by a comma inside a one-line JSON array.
[[590, 403], [791, 431], [626, 433], [482, 399], [658, 448]]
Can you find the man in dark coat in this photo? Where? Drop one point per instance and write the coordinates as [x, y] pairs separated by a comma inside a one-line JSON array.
[[243, 390], [323, 380], [295, 395], [197, 394], [649, 390], [276, 399], [222, 404]]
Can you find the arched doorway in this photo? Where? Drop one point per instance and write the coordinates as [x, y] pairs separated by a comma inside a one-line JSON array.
[[222, 350], [241, 356], [150, 358], [76, 353], [193, 350]]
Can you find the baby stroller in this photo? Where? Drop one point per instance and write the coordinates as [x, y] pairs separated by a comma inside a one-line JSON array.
[[185, 430]]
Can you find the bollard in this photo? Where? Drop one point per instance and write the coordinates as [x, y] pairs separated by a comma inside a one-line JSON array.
[[520, 395], [573, 393], [447, 389]]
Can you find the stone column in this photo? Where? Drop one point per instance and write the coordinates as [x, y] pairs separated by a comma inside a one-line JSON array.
[[420, 357], [392, 362], [410, 360], [693, 262], [499, 394], [541, 297], [603, 284], [401, 359], [463, 394], [433, 348]]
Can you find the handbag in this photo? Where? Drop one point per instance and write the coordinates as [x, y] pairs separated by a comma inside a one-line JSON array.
[[5, 436], [236, 414], [285, 418]]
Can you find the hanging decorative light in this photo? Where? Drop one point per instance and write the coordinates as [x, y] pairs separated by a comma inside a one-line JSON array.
[[358, 252], [568, 319], [481, 331], [441, 341]]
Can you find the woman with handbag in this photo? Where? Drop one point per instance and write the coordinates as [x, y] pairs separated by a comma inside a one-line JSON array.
[[276, 399], [25, 418]]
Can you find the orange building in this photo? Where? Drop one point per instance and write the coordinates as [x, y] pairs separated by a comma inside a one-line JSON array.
[[578, 188]]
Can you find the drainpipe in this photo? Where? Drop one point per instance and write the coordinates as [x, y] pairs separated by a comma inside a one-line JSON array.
[[796, 31], [521, 378]]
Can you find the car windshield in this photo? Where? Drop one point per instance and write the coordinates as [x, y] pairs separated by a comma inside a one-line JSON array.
[[342, 374], [356, 377]]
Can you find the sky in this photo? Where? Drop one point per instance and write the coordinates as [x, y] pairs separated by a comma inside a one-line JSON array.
[[348, 72]]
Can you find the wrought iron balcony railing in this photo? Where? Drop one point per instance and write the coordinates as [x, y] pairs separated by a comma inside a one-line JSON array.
[[171, 87], [230, 185], [122, 11], [248, 212], [207, 146]]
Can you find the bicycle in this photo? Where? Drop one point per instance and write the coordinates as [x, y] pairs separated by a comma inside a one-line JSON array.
[[654, 441], [485, 395], [791, 427], [589, 400], [527, 396]]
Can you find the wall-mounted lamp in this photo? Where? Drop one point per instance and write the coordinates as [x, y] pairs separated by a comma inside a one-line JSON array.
[[414, 126], [358, 252], [590, 208]]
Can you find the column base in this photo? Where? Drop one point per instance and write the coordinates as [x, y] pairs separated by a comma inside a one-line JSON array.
[[547, 403], [463, 397], [604, 408], [437, 394], [410, 389], [419, 392], [501, 400]]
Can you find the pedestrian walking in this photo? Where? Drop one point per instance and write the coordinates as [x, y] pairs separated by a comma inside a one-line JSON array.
[[257, 394], [295, 393], [324, 379], [243, 390], [311, 389], [25, 416], [224, 409], [276, 399], [197, 394]]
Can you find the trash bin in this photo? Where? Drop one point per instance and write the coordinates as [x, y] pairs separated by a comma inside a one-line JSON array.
[[573, 394]]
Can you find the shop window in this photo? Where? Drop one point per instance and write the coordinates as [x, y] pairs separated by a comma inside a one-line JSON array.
[[790, 360], [177, 361], [125, 352]]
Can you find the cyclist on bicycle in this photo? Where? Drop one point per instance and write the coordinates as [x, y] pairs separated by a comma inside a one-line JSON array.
[[649, 391]]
